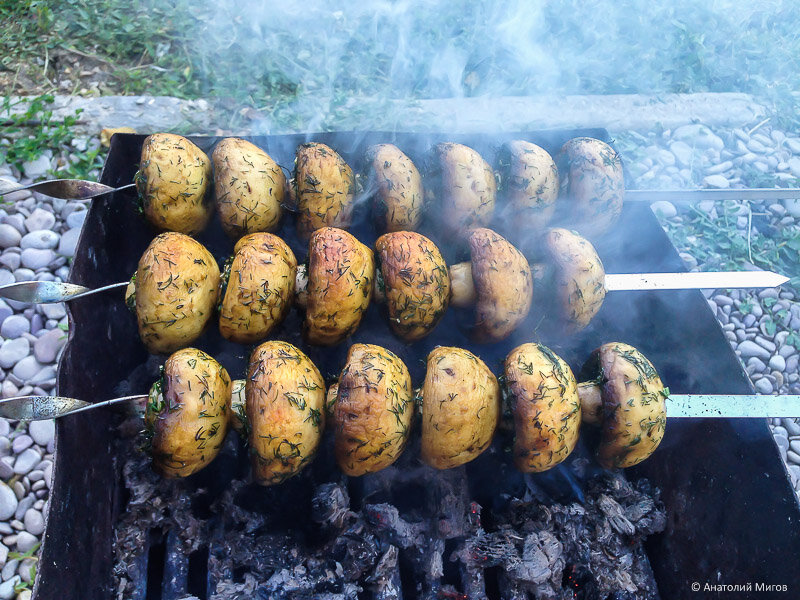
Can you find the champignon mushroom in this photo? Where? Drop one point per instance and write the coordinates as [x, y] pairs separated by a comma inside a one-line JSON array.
[[176, 291], [186, 415], [396, 188], [529, 186], [464, 187], [624, 394], [372, 410], [285, 409], [460, 407], [172, 180], [498, 280], [258, 288], [237, 418], [323, 188], [412, 279], [592, 185], [336, 287], [544, 400], [249, 188], [576, 278]]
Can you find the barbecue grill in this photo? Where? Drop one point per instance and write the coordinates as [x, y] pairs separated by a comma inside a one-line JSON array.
[[732, 516]]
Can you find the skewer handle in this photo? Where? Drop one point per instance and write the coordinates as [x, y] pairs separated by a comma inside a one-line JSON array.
[[37, 408], [46, 292]]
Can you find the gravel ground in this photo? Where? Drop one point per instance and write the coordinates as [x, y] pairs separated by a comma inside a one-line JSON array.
[[38, 237]]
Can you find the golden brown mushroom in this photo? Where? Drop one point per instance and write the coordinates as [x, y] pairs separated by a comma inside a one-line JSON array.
[[577, 279], [338, 282], [322, 189], [465, 187], [624, 394], [396, 184], [172, 180], [187, 413], [547, 410], [176, 287], [285, 411], [237, 418], [372, 410], [413, 281], [460, 407], [592, 185], [259, 289], [498, 280], [249, 188]]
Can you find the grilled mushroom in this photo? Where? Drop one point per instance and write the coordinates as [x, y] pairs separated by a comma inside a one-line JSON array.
[[464, 187], [498, 280], [339, 284], [372, 410], [237, 418], [259, 288], [322, 189], [576, 278], [172, 180], [412, 279], [397, 188], [176, 287], [624, 394], [544, 400], [187, 413], [592, 186], [460, 408], [285, 411], [529, 180], [249, 187]]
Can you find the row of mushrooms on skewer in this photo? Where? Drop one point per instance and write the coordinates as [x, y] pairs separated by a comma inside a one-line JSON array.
[[583, 186], [282, 408], [177, 286]]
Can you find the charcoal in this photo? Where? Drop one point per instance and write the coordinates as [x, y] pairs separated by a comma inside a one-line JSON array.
[[408, 532]]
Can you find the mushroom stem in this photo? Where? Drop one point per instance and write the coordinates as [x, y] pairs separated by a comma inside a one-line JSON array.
[[462, 287], [301, 286], [591, 402]]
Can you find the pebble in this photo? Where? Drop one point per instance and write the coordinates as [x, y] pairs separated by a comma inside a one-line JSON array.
[[791, 426], [54, 311], [34, 522], [27, 368], [76, 218], [69, 242], [33, 258], [716, 181], [8, 502], [46, 348], [748, 349], [7, 587], [9, 236], [25, 542], [26, 461], [683, 153], [664, 209], [777, 363], [20, 443], [42, 239], [13, 350], [14, 326], [42, 432]]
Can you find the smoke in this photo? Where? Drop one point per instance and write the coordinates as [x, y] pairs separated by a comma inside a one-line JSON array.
[[308, 65]]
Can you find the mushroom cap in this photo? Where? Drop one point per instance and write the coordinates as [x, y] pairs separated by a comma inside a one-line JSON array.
[[546, 407], [187, 413], [177, 286], [340, 274], [592, 185], [460, 407], [398, 193], [467, 188], [372, 411], [416, 283], [172, 181], [285, 411], [503, 282], [323, 188], [530, 186], [249, 187], [578, 278], [260, 289], [634, 404]]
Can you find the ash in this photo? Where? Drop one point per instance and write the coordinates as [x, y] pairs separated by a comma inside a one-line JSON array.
[[406, 532]]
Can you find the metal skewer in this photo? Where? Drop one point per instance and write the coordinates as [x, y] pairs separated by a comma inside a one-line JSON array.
[[65, 189], [46, 292], [35, 408]]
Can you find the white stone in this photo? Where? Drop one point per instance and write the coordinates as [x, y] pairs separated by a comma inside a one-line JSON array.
[[55, 310], [664, 208], [26, 368], [716, 181], [777, 363], [14, 326], [794, 166], [26, 461], [699, 136], [34, 169], [8, 502], [719, 168], [42, 432], [748, 349], [33, 258], [42, 239], [34, 522], [13, 350], [69, 242], [683, 153], [9, 236], [793, 144], [76, 218], [792, 206], [40, 219], [25, 542], [7, 587]]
